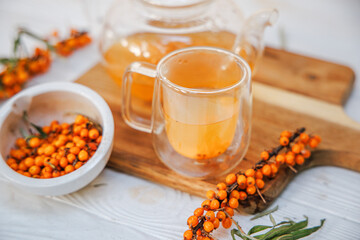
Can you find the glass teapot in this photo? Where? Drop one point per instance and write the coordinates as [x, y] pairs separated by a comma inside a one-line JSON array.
[[147, 30]]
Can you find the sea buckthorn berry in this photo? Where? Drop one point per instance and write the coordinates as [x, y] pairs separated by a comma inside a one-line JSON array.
[[221, 186], [216, 223], [206, 204], [47, 175], [229, 211], [46, 169], [296, 148], [318, 138], [210, 194], [34, 170], [313, 143], [199, 212], [46, 129], [71, 157], [290, 159], [20, 142], [230, 179], [83, 155], [208, 226], [10, 161], [258, 174], [80, 119], [251, 190], [192, 221], [29, 161], [14, 166], [242, 195], [220, 215], [280, 159], [84, 133], [27, 174], [69, 168], [98, 140], [250, 181], [81, 144], [260, 183], [188, 235], [266, 170], [284, 141], [264, 155], [198, 232], [93, 133], [214, 204], [285, 134], [78, 165], [55, 174], [235, 194], [233, 203], [224, 203], [226, 223], [306, 153], [210, 216], [250, 172], [241, 180], [75, 150], [50, 149], [22, 166], [77, 130], [274, 168], [299, 160], [222, 194], [39, 161]]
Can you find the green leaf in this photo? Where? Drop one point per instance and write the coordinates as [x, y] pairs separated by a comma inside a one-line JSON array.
[[38, 128], [238, 233], [258, 228], [262, 214], [272, 220], [301, 233]]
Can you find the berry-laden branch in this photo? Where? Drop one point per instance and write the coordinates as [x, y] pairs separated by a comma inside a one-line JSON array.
[[219, 207]]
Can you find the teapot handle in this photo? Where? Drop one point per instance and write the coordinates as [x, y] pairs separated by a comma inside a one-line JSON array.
[[143, 68]]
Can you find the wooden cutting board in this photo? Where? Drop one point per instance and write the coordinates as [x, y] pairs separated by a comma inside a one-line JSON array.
[[290, 91]]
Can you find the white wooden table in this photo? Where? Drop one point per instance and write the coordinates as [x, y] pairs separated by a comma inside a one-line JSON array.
[[125, 207]]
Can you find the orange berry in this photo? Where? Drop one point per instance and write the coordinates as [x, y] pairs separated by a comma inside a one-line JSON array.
[[241, 180], [206, 204], [221, 186], [224, 203], [258, 174], [56, 174], [210, 216], [296, 148], [284, 141], [22, 166], [220, 215], [98, 140], [63, 162], [251, 190], [233, 203], [27, 174], [93, 133], [46, 129], [299, 160], [74, 150], [226, 223], [264, 155], [20, 142], [242, 195], [208, 226], [210, 194], [83, 155], [81, 144], [250, 172], [306, 153], [313, 143], [250, 181], [47, 175], [260, 183], [71, 157], [188, 235], [34, 142], [10, 161], [318, 138], [229, 211], [280, 159], [199, 212], [47, 169], [50, 149], [235, 194], [216, 223], [192, 221], [78, 165], [222, 194], [290, 159], [34, 170], [230, 179], [84, 133], [266, 170], [285, 134], [80, 119], [304, 137], [214, 204], [69, 168], [14, 166], [274, 168]]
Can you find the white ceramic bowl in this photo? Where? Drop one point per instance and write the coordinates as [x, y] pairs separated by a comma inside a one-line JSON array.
[[44, 103]]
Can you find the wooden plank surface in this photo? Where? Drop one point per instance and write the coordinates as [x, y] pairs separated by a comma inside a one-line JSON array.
[[274, 110]]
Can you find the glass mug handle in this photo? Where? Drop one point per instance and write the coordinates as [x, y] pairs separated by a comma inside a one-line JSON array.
[[142, 68]]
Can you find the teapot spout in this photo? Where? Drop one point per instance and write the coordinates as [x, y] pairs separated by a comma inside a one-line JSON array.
[[250, 43]]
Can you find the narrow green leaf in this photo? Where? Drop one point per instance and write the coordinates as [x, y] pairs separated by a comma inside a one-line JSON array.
[[258, 228], [301, 233], [262, 214], [238, 233], [272, 220], [38, 128]]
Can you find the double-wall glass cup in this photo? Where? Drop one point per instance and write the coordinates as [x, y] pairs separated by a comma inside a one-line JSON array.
[[201, 110]]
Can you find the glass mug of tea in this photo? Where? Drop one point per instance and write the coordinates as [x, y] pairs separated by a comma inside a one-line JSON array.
[[201, 110]]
